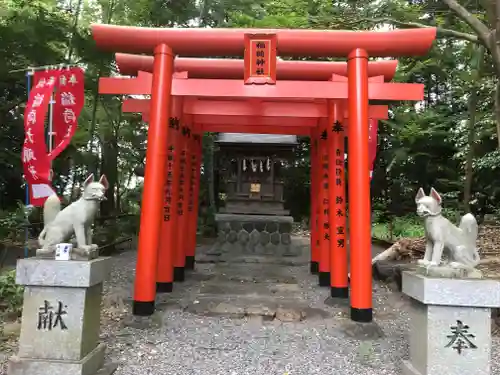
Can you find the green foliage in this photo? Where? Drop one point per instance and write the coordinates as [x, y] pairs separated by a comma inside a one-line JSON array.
[[420, 145], [11, 294], [408, 226], [400, 227], [12, 222]]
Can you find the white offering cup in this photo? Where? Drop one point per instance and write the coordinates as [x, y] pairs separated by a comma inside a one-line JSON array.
[[63, 251]]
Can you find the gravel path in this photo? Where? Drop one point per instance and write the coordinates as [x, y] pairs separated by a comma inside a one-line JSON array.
[[180, 342], [184, 337]]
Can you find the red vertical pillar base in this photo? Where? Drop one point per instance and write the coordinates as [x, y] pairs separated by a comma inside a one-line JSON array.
[[141, 308], [164, 287], [179, 274], [361, 315], [337, 292], [324, 278], [314, 267], [190, 262]]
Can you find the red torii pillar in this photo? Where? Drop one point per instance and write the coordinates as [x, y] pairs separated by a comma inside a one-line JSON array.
[[164, 277], [324, 207], [313, 188], [154, 181], [359, 188], [181, 208], [194, 200], [336, 197]]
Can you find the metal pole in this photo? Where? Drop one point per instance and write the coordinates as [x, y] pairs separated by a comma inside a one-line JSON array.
[[42, 67], [51, 125], [29, 73]]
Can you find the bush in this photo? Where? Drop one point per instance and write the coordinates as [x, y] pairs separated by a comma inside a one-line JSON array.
[[408, 226], [11, 223], [11, 294], [392, 228]]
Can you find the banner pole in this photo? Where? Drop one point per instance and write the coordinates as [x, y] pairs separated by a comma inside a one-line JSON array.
[[27, 191], [51, 124], [43, 67]]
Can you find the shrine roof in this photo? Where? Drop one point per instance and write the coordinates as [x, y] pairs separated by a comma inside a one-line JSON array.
[[257, 138]]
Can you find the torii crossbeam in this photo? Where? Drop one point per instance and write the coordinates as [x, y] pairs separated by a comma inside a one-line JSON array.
[[195, 93]]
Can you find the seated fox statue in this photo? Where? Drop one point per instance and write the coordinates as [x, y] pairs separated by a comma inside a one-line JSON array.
[[76, 219], [441, 234]]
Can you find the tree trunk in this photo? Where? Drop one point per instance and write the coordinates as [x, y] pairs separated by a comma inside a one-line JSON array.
[[109, 165], [108, 16], [477, 73], [93, 121], [75, 30]]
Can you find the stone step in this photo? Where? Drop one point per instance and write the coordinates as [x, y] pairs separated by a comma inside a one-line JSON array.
[[253, 259], [286, 310], [255, 289]]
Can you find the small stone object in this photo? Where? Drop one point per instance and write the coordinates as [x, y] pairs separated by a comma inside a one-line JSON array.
[[243, 237], [254, 238], [261, 310], [275, 238], [232, 237], [264, 238], [362, 331], [289, 315]]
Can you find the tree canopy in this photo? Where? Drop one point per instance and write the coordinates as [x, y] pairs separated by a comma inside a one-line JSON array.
[[449, 141]]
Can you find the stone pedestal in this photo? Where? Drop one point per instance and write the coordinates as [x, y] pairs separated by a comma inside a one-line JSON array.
[[61, 318], [254, 234], [450, 324]]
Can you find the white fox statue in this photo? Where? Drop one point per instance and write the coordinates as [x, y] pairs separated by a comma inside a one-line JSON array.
[[441, 234], [76, 219]]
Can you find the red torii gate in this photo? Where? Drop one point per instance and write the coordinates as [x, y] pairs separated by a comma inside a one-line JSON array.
[[286, 70], [215, 115], [357, 91]]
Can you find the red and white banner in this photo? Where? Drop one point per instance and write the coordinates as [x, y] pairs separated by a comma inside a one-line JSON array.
[[36, 163], [69, 100], [372, 143]]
